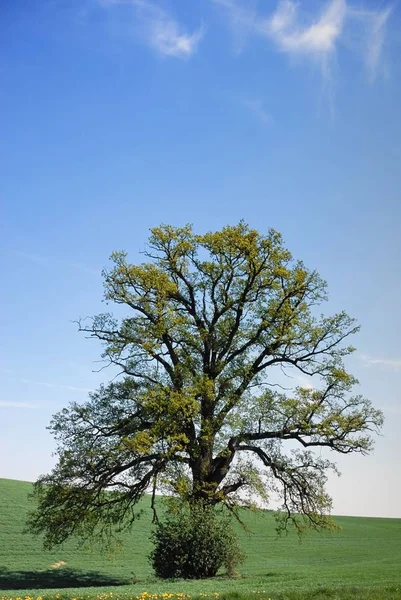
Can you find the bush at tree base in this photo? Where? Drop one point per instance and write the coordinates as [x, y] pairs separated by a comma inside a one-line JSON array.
[[194, 543]]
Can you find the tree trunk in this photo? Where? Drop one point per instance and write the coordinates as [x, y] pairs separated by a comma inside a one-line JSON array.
[[201, 470]]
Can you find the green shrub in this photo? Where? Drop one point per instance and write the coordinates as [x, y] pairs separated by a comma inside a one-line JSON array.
[[193, 543]]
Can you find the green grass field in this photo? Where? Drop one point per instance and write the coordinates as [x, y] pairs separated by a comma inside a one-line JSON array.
[[362, 561]]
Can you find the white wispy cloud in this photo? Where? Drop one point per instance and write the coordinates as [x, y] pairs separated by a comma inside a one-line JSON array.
[[391, 363], [258, 110], [159, 29], [317, 40], [12, 404], [293, 30]]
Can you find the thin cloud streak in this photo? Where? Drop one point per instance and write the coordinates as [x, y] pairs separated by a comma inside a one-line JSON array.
[[257, 109], [49, 261], [56, 385], [12, 404], [391, 410], [159, 30], [376, 43], [393, 364]]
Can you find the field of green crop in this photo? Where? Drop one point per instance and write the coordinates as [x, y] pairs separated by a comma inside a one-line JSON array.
[[363, 561]]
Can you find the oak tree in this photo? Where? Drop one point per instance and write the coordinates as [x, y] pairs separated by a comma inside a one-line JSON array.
[[202, 409]]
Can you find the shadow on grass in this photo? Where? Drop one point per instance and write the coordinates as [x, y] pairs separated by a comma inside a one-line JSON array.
[[55, 578]]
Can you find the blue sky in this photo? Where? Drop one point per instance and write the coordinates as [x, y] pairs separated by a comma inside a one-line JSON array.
[[117, 115]]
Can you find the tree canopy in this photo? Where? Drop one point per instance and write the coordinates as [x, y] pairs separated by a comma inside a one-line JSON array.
[[210, 324]]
